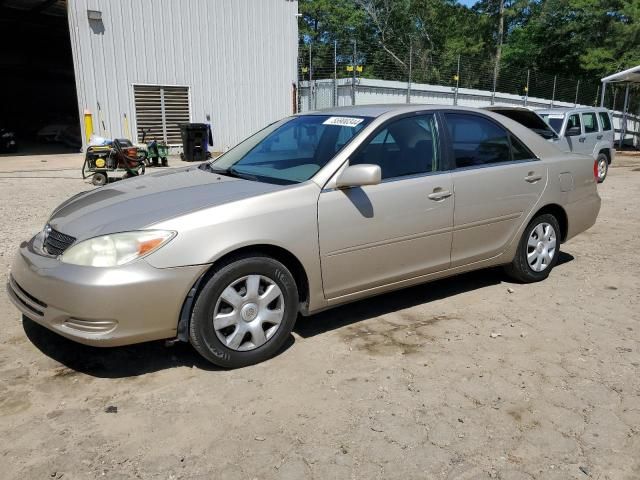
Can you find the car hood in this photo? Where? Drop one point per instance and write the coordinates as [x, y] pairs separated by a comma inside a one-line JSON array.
[[138, 202]]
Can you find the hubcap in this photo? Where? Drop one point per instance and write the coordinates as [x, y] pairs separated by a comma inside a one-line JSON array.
[[248, 312], [541, 247], [602, 169]]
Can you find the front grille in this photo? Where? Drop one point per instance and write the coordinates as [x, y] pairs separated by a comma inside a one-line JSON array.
[[56, 243]]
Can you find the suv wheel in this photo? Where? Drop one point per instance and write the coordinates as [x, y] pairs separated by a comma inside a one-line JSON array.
[[602, 166], [245, 312], [538, 250]]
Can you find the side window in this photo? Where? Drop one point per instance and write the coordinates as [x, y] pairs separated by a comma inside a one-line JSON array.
[[605, 120], [574, 121], [404, 147], [519, 151], [590, 122], [476, 140]]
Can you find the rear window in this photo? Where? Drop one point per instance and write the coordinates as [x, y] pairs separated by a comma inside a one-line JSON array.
[[590, 122], [605, 120], [530, 120], [554, 121]]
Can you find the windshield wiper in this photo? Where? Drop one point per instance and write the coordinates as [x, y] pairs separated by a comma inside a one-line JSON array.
[[229, 172]]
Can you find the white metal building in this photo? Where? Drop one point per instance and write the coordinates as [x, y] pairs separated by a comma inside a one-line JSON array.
[[149, 64], [165, 62]]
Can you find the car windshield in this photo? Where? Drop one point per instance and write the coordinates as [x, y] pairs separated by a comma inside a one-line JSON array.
[[290, 151], [554, 120]]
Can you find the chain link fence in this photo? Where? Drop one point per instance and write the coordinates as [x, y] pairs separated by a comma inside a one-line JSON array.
[[331, 75]]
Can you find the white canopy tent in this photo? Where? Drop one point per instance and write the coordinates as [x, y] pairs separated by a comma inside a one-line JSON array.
[[629, 76]]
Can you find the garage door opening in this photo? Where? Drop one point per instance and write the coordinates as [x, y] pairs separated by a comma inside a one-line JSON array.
[[38, 100]]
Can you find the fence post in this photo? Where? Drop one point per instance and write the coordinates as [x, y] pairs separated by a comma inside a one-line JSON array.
[[311, 93], [553, 95], [353, 78], [526, 89], [575, 102], [495, 81], [623, 126], [455, 96], [409, 80], [595, 100], [335, 73], [297, 84]]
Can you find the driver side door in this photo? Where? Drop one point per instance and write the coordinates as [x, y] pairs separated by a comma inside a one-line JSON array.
[[376, 235]]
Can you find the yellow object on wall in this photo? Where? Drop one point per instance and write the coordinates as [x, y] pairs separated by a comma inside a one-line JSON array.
[[88, 125]]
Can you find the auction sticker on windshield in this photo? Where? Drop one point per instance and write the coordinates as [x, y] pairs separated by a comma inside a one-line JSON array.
[[343, 121]]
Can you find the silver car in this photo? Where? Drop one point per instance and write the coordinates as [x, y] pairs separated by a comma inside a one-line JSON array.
[[584, 130], [314, 211]]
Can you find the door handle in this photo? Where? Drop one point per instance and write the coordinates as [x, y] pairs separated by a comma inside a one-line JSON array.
[[439, 194], [533, 178], [599, 137], [582, 139]]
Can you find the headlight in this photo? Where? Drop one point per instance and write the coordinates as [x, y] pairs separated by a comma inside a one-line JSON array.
[[116, 249]]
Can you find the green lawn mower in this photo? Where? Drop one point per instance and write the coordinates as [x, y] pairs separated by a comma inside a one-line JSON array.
[[155, 153]]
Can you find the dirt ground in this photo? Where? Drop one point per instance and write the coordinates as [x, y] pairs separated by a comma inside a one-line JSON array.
[[406, 385]]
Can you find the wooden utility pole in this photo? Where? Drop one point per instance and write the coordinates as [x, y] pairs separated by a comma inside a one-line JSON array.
[[496, 68]]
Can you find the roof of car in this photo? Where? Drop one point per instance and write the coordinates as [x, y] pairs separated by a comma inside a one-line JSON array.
[[371, 110], [535, 142], [494, 108], [564, 110]]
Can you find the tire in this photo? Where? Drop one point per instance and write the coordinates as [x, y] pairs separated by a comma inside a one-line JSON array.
[[522, 268], [99, 179], [235, 341], [603, 167]]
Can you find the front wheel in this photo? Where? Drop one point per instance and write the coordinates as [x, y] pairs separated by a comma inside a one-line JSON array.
[[245, 312], [538, 250], [602, 166]]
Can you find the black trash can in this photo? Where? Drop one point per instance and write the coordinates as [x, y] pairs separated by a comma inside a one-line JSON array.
[[195, 141]]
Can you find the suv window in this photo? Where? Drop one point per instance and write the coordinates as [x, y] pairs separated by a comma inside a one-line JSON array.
[[605, 120], [574, 121], [477, 140], [407, 146], [590, 122]]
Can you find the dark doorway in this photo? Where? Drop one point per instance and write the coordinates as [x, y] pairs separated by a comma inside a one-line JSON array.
[[38, 99]]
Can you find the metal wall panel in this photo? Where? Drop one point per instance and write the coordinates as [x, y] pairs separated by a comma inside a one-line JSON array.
[[238, 58]]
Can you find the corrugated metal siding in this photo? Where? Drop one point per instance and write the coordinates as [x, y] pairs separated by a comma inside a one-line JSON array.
[[238, 58]]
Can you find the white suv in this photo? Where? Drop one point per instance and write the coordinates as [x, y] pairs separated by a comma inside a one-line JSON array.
[[584, 130], [579, 130]]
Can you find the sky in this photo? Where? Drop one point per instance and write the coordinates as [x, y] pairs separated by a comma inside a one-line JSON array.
[[468, 3]]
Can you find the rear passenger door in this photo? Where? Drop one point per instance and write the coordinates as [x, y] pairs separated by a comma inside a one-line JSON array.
[[606, 129], [497, 181], [591, 133]]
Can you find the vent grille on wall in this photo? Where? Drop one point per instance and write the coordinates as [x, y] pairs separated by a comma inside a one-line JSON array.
[[160, 110]]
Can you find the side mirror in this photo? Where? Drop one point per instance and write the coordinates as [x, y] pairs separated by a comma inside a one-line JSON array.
[[359, 175], [573, 132]]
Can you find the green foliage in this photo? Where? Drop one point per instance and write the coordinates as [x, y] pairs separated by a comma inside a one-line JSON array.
[[570, 38]]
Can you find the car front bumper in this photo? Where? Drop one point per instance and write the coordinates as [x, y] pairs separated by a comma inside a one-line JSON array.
[[99, 306]]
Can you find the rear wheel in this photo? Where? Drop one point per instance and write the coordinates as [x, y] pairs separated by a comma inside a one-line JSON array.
[[99, 179], [602, 167], [245, 312], [538, 250]]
